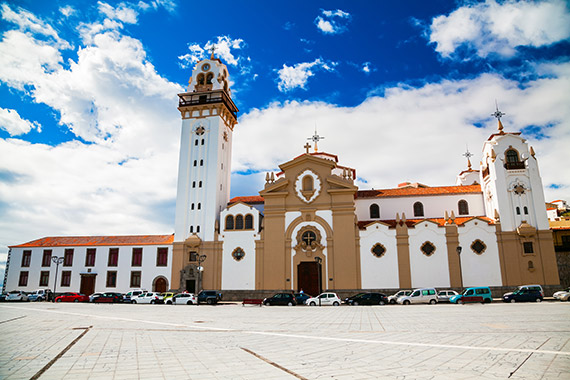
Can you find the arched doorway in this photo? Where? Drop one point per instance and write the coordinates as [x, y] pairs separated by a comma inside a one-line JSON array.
[[159, 285], [308, 276]]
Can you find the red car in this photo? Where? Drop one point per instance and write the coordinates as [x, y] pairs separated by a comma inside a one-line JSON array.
[[72, 297]]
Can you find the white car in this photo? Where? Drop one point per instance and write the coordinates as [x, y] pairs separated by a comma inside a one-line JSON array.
[[93, 296], [423, 295], [324, 299], [183, 299], [394, 297], [445, 295], [562, 295], [149, 297], [17, 295]]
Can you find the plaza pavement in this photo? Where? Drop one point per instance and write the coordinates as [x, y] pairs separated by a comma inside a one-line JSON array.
[[88, 341]]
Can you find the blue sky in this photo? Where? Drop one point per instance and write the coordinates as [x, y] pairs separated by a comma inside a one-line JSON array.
[[89, 130]]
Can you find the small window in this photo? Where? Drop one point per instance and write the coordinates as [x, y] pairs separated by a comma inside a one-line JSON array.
[[68, 257], [378, 250], [197, 229], [113, 257], [192, 206], [66, 278], [428, 248], [418, 209], [23, 280], [200, 79], [518, 210], [209, 78], [195, 162], [309, 240], [239, 222], [90, 257], [374, 211], [229, 222], [199, 206], [200, 184], [26, 258], [135, 279], [44, 278], [46, 259], [192, 256], [463, 207], [191, 229], [193, 183], [201, 162], [162, 257], [111, 279], [528, 248], [238, 254], [249, 222], [478, 247], [196, 142], [202, 142], [525, 209], [137, 257], [512, 156], [530, 265], [307, 183]]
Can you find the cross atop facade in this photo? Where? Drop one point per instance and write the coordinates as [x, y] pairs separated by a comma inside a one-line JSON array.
[[498, 114], [212, 50], [468, 155], [316, 138], [307, 147]]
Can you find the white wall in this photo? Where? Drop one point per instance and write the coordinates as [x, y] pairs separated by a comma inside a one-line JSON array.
[[379, 272], [432, 271]]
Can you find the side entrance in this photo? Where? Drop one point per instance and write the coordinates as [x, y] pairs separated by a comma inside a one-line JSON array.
[[308, 277]]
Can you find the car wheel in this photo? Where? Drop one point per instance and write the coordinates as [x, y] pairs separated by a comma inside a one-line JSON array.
[[487, 300], [312, 304], [392, 302], [538, 300], [432, 302], [335, 303], [152, 302], [189, 303], [133, 301], [58, 300], [290, 304], [354, 303], [209, 301], [460, 302], [169, 302], [406, 302], [266, 303], [76, 300], [381, 303], [513, 300]]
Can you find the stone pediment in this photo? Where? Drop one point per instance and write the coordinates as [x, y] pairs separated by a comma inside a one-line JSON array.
[[525, 229]]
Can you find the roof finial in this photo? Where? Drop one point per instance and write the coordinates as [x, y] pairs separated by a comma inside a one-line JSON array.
[[498, 114], [212, 50], [468, 155], [316, 138]]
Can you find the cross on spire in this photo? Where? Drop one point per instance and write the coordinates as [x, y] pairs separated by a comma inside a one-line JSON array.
[[212, 50], [316, 138], [468, 155], [498, 114]]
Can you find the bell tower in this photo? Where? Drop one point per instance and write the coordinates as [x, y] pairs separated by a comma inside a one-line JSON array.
[[208, 119]]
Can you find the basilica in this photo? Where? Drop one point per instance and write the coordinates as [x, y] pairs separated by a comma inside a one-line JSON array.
[[310, 227]]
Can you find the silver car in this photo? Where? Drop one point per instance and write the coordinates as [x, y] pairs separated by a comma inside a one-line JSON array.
[[17, 295], [394, 297]]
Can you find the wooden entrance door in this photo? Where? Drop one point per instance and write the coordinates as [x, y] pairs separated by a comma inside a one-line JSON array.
[[308, 277], [191, 286], [160, 285], [87, 284]]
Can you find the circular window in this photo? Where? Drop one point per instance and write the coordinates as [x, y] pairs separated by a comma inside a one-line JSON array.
[[309, 240], [428, 248], [478, 247], [238, 254], [205, 67], [378, 250]]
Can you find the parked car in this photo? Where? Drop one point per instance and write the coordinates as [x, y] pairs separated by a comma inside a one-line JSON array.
[[523, 295], [301, 298], [475, 294], [394, 297], [108, 298], [72, 297], [324, 299], [148, 297], [17, 295], [347, 299], [135, 292], [211, 297], [536, 288], [2, 297], [183, 299], [562, 295], [445, 295], [284, 299], [166, 296], [424, 295], [39, 295], [369, 299], [92, 296]]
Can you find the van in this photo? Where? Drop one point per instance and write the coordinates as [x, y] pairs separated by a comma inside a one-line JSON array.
[[423, 295], [40, 295], [534, 288], [475, 294]]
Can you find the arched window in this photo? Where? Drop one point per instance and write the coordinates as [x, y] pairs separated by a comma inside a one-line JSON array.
[[199, 206], [197, 229], [463, 207], [192, 207], [374, 211], [209, 78], [200, 184], [229, 222], [191, 229], [200, 79], [518, 210], [525, 209], [512, 156], [201, 162], [418, 209], [307, 183], [249, 222], [195, 162], [239, 222]]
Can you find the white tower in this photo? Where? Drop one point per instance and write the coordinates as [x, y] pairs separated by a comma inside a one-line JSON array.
[[208, 119]]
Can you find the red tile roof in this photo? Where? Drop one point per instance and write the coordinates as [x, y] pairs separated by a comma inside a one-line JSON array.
[[411, 222], [251, 200], [69, 241], [418, 191]]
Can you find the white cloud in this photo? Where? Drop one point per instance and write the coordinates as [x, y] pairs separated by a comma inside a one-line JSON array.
[[67, 11], [499, 28], [332, 22], [11, 122], [169, 5], [416, 134], [121, 13], [366, 67], [188, 59], [223, 48], [296, 76]]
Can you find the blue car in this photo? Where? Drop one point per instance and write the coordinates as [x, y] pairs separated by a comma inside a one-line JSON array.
[[471, 295]]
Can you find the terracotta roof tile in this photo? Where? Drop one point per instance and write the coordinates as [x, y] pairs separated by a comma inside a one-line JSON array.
[[69, 241], [412, 222], [418, 191], [251, 200]]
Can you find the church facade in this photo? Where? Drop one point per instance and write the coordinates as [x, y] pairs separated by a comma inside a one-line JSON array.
[[312, 228]]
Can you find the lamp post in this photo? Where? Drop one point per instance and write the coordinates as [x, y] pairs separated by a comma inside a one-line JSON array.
[[458, 249], [201, 259], [57, 260], [319, 261]]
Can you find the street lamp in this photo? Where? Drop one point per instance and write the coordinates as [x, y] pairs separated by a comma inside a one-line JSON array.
[[57, 260], [201, 259], [458, 249], [319, 261]]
